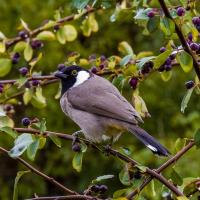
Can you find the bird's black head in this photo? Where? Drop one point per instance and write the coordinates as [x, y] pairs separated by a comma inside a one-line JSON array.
[[72, 76]]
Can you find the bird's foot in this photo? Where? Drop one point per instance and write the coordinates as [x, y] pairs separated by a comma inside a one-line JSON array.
[[107, 149]]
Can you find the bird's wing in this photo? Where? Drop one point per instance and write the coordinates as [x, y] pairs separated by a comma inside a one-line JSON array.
[[99, 96]]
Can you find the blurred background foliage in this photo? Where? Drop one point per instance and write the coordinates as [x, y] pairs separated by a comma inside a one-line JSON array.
[[163, 100]]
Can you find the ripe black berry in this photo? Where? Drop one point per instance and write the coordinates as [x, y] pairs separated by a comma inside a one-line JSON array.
[[36, 44], [26, 121], [60, 66], [103, 188], [133, 82], [102, 58], [8, 107], [56, 28], [194, 46], [196, 21], [76, 147], [35, 82], [172, 56], [180, 11], [23, 70], [95, 188], [102, 66], [168, 61], [190, 37], [1, 90], [23, 34], [189, 84], [161, 68], [168, 67], [151, 14], [15, 58], [94, 70], [27, 84], [162, 49]]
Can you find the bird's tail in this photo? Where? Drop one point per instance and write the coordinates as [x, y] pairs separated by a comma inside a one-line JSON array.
[[149, 141]]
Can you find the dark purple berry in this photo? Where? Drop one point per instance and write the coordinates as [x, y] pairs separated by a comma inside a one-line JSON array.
[[102, 66], [137, 175], [60, 66], [1, 90], [190, 37], [189, 84], [194, 46], [196, 20], [162, 49], [26, 121], [23, 34], [133, 82], [172, 56], [8, 107], [168, 67], [145, 70], [56, 28], [151, 14], [103, 188], [198, 27], [102, 58], [1, 85], [15, 58], [23, 70], [95, 188], [94, 70], [149, 64], [76, 147], [36, 44], [161, 68], [180, 11], [27, 84], [168, 61], [35, 82]]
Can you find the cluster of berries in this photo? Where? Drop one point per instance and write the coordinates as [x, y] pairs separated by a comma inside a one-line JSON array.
[[196, 22]]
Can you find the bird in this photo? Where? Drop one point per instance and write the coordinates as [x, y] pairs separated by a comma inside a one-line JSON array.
[[99, 109]]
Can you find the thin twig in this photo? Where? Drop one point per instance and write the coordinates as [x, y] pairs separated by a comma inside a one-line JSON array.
[[38, 172], [181, 38], [162, 167], [113, 153]]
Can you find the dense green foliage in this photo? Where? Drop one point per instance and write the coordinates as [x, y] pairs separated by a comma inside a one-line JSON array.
[[162, 98]]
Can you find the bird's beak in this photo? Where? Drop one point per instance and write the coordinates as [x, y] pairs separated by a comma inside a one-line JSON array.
[[60, 75]]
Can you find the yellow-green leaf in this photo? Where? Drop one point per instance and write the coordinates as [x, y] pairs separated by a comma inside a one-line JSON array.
[[46, 35], [60, 35], [20, 46], [185, 61], [125, 48], [161, 58], [186, 99], [166, 75], [5, 66], [77, 161], [27, 96], [2, 47], [70, 33], [28, 52]]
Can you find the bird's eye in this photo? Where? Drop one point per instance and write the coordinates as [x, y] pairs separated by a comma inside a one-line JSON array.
[[74, 72]]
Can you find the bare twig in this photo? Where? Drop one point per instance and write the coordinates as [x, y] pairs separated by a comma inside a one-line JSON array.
[[38, 172], [181, 38], [111, 152]]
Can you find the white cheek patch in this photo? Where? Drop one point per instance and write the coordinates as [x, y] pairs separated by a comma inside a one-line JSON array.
[[81, 77]]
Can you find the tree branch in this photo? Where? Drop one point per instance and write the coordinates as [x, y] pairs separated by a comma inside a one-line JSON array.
[[111, 152], [46, 177], [181, 38], [162, 167]]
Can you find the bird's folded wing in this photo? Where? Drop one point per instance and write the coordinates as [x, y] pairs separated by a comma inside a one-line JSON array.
[[102, 99]]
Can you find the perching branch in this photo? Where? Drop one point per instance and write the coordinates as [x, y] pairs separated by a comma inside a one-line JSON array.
[[38, 172], [162, 168], [181, 38], [61, 21], [110, 151]]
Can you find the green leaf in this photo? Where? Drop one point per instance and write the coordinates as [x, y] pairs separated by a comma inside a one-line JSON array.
[[167, 26], [20, 82], [28, 52], [125, 48], [179, 144], [55, 140], [121, 193], [46, 35], [186, 99], [161, 58], [70, 33], [125, 60], [42, 142], [152, 24], [101, 178], [6, 121], [189, 186], [5, 66], [182, 198], [116, 13], [60, 35], [20, 46], [124, 176], [19, 175], [2, 47], [166, 75], [77, 161], [38, 100], [197, 138], [153, 188], [34, 61], [24, 25], [185, 61], [27, 96], [176, 178], [80, 4], [9, 131], [43, 127], [20, 145], [32, 149]]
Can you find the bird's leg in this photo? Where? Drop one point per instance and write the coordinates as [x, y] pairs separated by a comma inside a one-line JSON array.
[[76, 136]]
